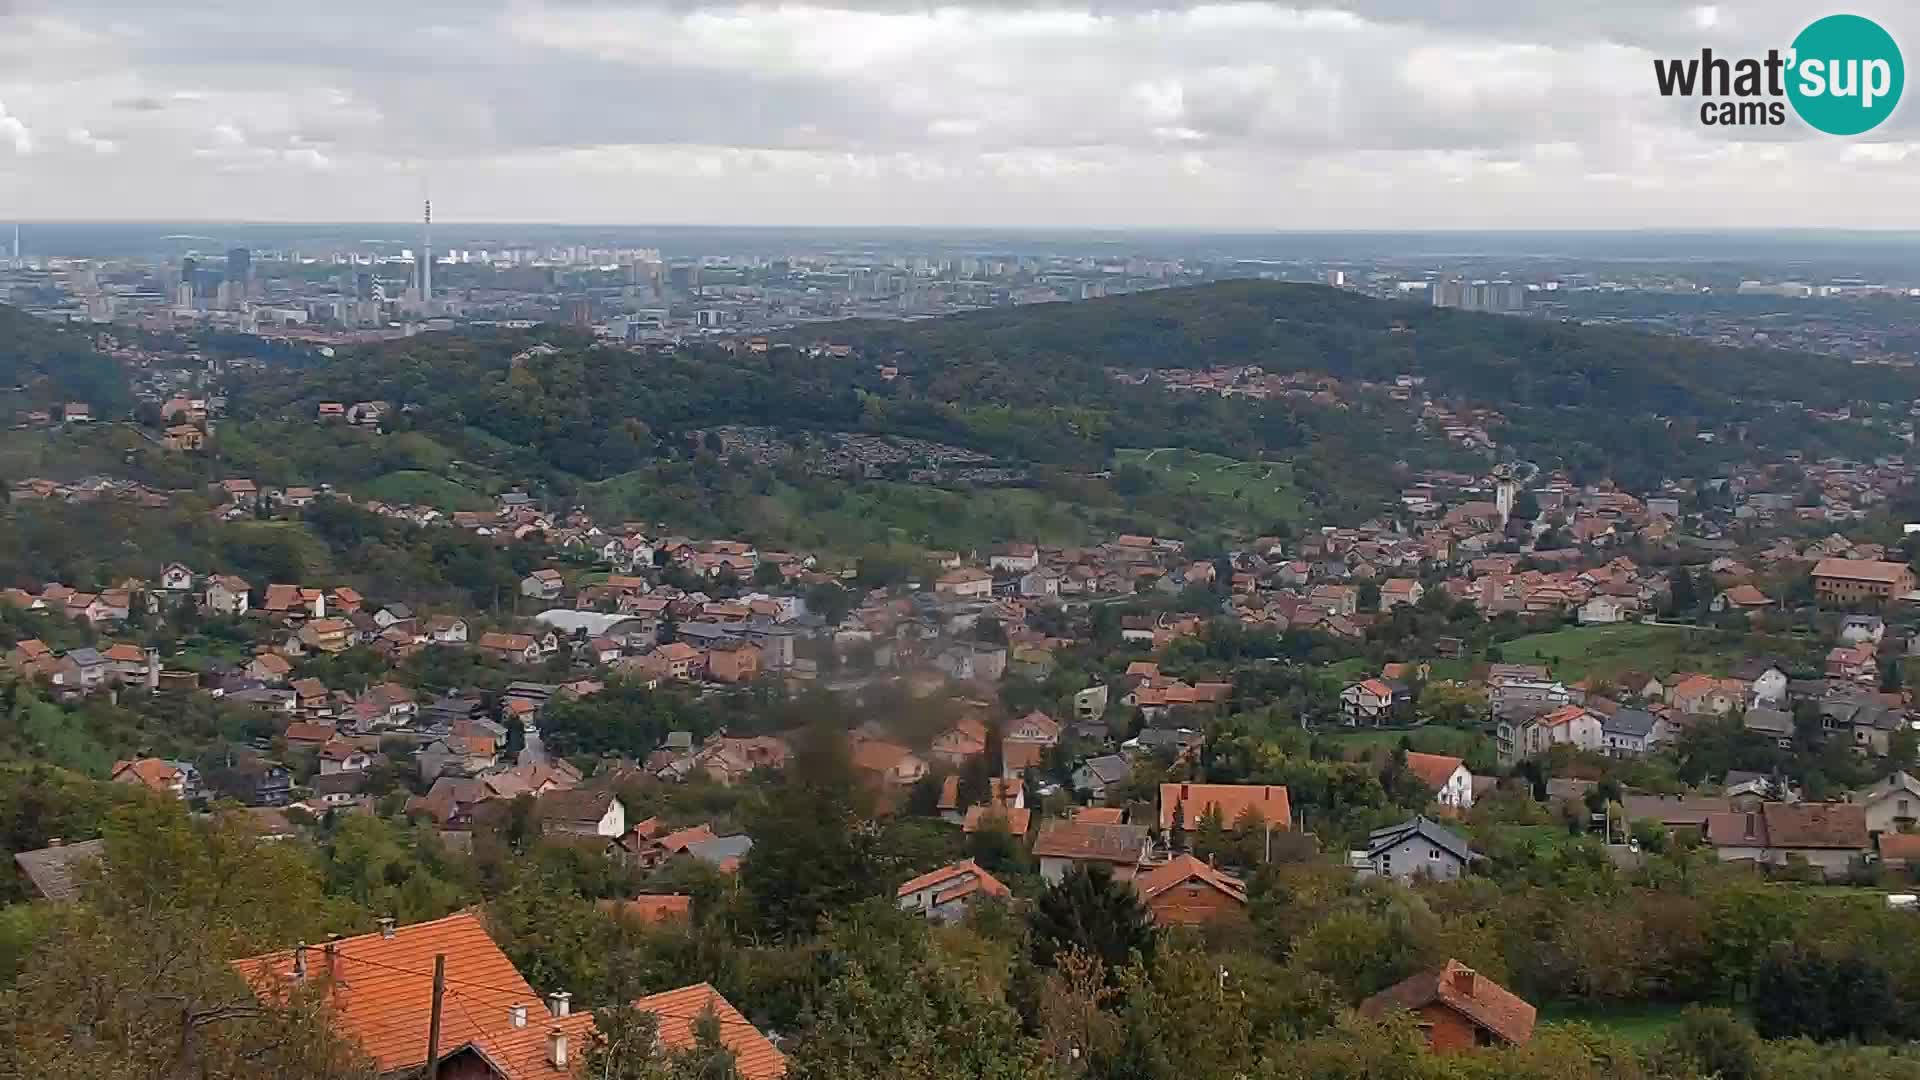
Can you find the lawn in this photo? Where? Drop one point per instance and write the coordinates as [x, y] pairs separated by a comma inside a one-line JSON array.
[[426, 489], [1258, 491], [1431, 739], [1641, 1022], [1605, 651]]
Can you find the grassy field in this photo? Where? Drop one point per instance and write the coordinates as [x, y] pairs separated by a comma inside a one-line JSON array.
[[425, 488], [1262, 491], [1640, 1023], [1431, 739], [1605, 651]]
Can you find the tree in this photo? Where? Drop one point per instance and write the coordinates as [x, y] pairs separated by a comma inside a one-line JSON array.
[[813, 839], [1710, 1042], [1090, 911], [1681, 595], [625, 1045], [1890, 677]]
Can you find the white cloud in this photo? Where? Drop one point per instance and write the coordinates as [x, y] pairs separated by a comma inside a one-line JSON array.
[[1095, 112]]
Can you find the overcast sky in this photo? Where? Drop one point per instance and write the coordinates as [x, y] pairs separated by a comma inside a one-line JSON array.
[[1382, 114]]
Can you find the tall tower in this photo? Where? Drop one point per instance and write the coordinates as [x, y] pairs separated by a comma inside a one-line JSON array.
[[426, 256]]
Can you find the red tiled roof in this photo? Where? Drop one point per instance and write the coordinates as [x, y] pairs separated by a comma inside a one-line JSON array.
[[1184, 868], [1885, 573], [1018, 821], [673, 907], [1479, 999], [1100, 815], [1232, 799], [1434, 770], [965, 868]]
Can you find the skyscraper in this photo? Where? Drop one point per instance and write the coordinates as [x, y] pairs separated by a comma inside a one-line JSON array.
[[240, 268]]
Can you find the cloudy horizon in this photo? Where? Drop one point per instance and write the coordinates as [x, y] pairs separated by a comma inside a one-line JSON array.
[[1362, 114]]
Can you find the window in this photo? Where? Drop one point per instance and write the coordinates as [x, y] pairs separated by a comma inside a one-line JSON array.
[[1433, 854]]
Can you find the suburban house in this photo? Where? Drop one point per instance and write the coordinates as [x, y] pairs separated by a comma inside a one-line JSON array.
[[1187, 804], [1414, 849], [1633, 732], [339, 756], [176, 778], [893, 765], [447, 630], [1826, 836], [520, 648], [964, 584], [499, 1030], [1063, 844], [1860, 581], [1097, 774], [942, 895], [582, 812], [1370, 701], [1458, 1009], [1025, 743], [1447, 777], [1187, 892], [733, 662], [1569, 724], [542, 585], [1891, 805], [1395, 592], [226, 595]]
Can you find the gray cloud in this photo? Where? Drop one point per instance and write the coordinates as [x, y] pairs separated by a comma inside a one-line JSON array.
[[1361, 113]]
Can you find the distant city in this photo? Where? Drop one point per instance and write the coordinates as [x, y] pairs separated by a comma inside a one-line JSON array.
[[342, 284]]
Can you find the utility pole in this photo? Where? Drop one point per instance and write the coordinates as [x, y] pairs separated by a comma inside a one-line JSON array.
[[433, 1025]]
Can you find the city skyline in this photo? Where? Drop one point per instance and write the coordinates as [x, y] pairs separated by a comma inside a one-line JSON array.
[[1364, 115]]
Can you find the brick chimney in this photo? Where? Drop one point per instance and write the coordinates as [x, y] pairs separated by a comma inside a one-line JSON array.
[[300, 960], [517, 1014], [559, 1003], [557, 1048], [1463, 981], [329, 949]]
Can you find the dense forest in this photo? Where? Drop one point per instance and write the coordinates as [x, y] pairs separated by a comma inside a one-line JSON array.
[[43, 365]]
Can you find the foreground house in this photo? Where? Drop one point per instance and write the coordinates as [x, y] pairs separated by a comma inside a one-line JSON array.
[[1187, 892], [1459, 1009], [379, 988], [942, 895], [50, 870]]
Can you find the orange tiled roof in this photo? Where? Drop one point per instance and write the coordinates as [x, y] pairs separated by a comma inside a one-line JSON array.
[[1232, 799], [1182, 869], [1434, 770]]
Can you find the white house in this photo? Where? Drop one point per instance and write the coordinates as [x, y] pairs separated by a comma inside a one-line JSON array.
[[1369, 701], [1633, 732], [226, 595], [1451, 783], [1016, 559], [1569, 724], [1891, 805], [942, 895], [1601, 610]]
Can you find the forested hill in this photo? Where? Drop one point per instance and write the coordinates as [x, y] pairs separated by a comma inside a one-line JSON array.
[[1292, 327], [1599, 399], [52, 364]]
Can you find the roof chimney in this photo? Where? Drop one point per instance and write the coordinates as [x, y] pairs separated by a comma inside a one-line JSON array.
[[559, 1003], [517, 1014], [54, 841], [1463, 980], [386, 926], [300, 961], [328, 948], [557, 1048]]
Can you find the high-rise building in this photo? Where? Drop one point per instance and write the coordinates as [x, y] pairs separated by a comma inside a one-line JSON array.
[[240, 269]]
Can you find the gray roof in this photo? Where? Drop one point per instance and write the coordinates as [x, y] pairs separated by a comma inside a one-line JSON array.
[[1109, 768], [86, 656], [721, 848], [1637, 723], [1443, 838], [1769, 721], [51, 868]]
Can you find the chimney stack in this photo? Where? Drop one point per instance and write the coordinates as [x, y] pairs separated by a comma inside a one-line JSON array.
[[332, 941], [557, 1048], [300, 961], [517, 1015], [1463, 980], [559, 1003], [386, 926], [55, 841]]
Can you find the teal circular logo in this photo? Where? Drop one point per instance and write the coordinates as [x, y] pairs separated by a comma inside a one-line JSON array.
[[1846, 76]]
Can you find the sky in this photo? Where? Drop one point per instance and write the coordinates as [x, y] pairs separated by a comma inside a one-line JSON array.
[[1359, 114]]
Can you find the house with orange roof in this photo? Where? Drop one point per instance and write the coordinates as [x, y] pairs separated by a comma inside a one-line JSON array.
[[1447, 777], [174, 778], [1016, 820], [1370, 702], [1189, 803], [1744, 598], [1184, 891], [672, 908], [1458, 1009], [893, 765], [379, 990], [519, 648], [942, 895], [1572, 725]]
